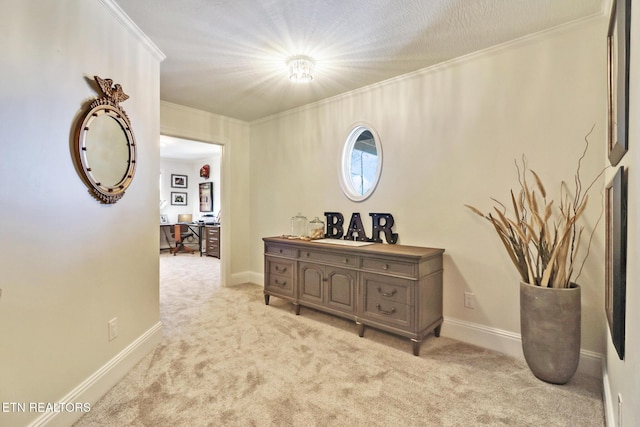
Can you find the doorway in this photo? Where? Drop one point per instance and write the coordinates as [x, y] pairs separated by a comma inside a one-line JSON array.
[[190, 188]]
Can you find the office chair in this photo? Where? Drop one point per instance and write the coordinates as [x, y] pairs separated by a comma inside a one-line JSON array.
[[180, 233]]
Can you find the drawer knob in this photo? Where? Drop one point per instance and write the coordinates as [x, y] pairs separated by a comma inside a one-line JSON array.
[[385, 266], [346, 260], [281, 270], [386, 312], [386, 294], [279, 283], [280, 251]]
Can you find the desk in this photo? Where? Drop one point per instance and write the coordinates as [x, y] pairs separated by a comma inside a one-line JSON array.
[[166, 231]]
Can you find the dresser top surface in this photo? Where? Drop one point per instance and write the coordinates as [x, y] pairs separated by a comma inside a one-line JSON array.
[[370, 249]]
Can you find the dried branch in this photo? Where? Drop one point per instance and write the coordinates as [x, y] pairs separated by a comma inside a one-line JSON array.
[[543, 242]]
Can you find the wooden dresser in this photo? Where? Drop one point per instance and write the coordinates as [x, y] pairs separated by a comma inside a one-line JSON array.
[[212, 235], [395, 288]]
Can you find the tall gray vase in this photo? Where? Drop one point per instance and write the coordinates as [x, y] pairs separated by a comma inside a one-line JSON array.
[[550, 329]]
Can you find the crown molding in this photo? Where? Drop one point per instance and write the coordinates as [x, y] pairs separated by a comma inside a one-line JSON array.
[[126, 22]]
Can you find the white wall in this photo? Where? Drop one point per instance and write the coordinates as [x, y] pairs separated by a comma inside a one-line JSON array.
[[68, 263], [190, 168], [622, 377], [450, 135]]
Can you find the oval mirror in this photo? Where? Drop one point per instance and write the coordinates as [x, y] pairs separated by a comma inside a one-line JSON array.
[[106, 149], [361, 163]]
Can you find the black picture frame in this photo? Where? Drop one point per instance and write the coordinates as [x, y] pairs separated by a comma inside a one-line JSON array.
[[179, 181], [618, 53], [178, 199], [206, 197], [616, 259]]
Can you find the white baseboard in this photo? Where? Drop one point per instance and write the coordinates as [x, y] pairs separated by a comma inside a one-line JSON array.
[[609, 404], [101, 381], [247, 277], [509, 343]]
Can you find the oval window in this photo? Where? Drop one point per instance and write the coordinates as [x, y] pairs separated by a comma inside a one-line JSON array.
[[361, 163]]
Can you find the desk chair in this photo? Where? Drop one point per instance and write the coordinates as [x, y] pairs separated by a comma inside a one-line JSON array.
[[180, 233]]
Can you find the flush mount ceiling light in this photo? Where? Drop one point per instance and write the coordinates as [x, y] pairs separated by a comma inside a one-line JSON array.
[[300, 69]]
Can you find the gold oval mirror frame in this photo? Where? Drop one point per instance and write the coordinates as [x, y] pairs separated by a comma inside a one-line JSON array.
[[105, 146]]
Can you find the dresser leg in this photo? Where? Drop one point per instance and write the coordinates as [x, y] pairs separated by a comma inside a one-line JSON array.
[[416, 347], [436, 331], [297, 306], [266, 299], [360, 329]]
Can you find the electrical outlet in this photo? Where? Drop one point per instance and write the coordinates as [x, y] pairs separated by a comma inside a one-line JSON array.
[[113, 328], [469, 300]]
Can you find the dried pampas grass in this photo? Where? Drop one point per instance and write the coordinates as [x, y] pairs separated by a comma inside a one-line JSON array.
[[542, 240]]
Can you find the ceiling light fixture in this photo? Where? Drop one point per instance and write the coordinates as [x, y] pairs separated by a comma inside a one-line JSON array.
[[300, 69]]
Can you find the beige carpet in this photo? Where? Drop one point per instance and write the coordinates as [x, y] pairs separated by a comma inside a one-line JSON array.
[[227, 359]]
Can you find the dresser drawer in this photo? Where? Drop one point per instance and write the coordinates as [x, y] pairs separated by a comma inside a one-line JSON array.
[[345, 260], [391, 313], [283, 268], [387, 266], [280, 284], [380, 292], [381, 289], [281, 250]]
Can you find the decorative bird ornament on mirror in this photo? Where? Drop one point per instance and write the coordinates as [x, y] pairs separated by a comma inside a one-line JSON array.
[[114, 93]]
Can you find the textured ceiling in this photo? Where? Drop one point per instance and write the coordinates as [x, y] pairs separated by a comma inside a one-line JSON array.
[[228, 56]]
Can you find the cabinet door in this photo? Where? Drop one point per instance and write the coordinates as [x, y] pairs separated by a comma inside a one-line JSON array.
[[341, 289], [311, 282]]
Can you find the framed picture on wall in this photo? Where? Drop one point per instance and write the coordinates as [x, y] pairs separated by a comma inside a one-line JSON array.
[[164, 219], [206, 197], [178, 181], [179, 199], [618, 39], [616, 259]]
